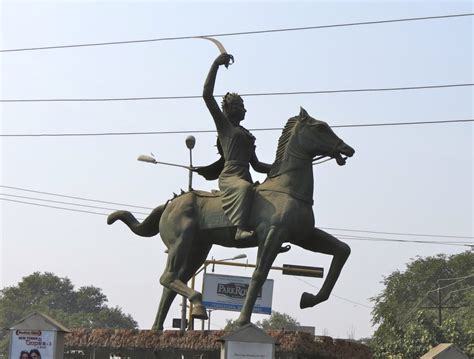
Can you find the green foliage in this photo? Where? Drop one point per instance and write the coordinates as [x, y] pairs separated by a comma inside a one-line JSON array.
[[49, 294], [276, 320], [407, 327], [231, 325]]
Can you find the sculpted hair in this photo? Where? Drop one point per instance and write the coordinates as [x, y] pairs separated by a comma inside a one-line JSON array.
[[229, 99]]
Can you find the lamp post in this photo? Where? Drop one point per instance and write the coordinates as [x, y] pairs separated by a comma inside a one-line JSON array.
[[193, 282], [190, 143]]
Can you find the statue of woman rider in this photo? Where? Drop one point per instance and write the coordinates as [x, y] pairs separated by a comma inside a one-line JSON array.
[[237, 147]]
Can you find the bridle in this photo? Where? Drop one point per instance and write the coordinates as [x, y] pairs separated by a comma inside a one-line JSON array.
[[331, 154]]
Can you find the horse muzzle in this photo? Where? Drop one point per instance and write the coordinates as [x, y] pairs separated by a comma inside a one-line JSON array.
[[345, 150]]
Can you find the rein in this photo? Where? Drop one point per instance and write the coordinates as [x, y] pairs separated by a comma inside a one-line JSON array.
[[331, 155]]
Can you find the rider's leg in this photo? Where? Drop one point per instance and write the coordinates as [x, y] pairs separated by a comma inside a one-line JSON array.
[[237, 204]]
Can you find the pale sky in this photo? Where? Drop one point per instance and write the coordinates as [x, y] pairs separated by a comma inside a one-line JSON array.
[[406, 179]]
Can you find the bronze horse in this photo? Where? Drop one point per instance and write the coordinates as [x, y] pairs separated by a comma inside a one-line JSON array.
[[282, 212]]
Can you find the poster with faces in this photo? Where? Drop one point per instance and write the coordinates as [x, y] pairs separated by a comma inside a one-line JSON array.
[[32, 344]]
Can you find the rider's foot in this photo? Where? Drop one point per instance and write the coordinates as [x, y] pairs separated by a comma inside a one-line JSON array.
[[243, 234]]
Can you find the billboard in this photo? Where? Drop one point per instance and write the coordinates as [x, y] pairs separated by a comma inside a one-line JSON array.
[[39, 344], [228, 292]]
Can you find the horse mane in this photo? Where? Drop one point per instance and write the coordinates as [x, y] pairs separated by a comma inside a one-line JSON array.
[[283, 145]]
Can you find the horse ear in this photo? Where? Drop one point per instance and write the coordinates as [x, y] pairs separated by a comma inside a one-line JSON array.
[[303, 114]]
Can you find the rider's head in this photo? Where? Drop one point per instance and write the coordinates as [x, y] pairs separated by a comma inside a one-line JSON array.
[[233, 107]]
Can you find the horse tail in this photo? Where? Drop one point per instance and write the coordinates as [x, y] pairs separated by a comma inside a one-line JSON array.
[[149, 227]]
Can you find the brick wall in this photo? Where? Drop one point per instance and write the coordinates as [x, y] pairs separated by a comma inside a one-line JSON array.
[[145, 344]]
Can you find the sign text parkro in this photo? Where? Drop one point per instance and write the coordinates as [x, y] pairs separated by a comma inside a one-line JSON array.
[[227, 292]]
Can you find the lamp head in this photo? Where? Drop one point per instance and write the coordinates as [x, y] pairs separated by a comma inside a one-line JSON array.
[[190, 142]]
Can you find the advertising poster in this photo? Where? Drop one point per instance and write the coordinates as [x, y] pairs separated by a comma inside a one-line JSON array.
[[39, 344], [228, 292]]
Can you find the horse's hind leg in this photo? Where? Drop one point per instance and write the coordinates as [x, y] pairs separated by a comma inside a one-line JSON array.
[[185, 274], [325, 243], [185, 256], [167, 298]]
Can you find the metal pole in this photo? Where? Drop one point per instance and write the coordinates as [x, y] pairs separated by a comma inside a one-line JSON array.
[[316, 272], [190, 142], [439, 306], [202, 291], [209, 320]]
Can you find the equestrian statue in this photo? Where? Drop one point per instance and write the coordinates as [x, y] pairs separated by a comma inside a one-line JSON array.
[[243, 214]]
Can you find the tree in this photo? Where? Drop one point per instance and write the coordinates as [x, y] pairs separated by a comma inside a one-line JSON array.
[[276, 321], [407, 310], [47, 293]]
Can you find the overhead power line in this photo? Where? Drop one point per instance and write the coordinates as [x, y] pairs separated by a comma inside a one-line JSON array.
[[150, 208], [241, 33], [139, 133], [399, 234], [73, 197], [378, 239], [55, 207], [187, 97], [342, 236], [62, 202], [332, 294]]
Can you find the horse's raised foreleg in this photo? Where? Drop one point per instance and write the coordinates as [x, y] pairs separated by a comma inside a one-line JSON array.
[[325, 243], [268, 250]]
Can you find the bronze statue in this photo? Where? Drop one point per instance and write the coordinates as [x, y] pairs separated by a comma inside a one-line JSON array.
[[237, 147], [281, 211]]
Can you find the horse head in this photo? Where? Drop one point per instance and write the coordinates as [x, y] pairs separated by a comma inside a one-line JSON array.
[[313, 138]]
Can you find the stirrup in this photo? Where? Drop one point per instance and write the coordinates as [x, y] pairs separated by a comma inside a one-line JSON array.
[[242, 234]]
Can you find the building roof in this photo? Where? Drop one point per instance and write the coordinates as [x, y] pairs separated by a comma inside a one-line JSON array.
[[444, 348], [39, 321], [249, 333]]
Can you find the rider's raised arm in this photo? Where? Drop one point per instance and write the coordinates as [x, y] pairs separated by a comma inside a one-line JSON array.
[[258, 166], [208, 91]]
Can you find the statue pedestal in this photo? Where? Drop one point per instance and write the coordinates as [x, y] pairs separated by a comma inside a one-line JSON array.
[[248, 341]]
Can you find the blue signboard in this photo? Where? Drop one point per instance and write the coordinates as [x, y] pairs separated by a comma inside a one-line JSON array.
[[228, 292]]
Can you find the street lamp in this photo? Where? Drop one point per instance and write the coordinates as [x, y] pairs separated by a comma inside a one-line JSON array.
[[193, 282], [190, 143]]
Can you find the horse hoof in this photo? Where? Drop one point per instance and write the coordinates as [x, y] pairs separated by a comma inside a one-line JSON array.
[[199, 312], [241, 323], [306, 300]]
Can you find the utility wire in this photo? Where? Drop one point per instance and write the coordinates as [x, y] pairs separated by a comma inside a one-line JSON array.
[[407, 241], [331, 228], [398, 234], [374, 239], [55, 207], [332, 294], [67, 203], [255, 32], [455, 278], [105, 214], [425, 296], [405, 88], [454, 283], [73, 197], [140, 133]]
